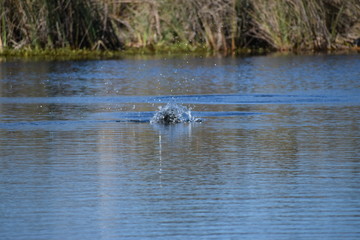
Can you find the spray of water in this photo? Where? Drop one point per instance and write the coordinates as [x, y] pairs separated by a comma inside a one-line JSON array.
[[173, 113]]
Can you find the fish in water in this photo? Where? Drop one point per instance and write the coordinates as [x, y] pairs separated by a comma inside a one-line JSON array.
[[173, 113]]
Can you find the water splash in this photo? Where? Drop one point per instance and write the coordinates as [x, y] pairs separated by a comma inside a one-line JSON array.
[[173, 113]]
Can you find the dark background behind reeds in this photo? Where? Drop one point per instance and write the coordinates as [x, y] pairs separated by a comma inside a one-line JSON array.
[[219, 25]]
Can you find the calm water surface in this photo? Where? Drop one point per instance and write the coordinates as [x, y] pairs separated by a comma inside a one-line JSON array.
[[277, 155]]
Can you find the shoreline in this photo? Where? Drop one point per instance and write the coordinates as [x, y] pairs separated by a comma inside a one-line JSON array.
[[73, 54], [129, 27]]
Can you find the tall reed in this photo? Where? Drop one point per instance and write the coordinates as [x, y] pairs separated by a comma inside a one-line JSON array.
[[216, 24], [221, 25], [56, 23], [302, 24]]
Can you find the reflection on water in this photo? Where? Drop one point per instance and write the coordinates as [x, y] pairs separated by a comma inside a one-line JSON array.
[[276, 156]]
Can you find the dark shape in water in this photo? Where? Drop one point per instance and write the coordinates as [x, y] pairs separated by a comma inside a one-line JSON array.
[[173, 113]]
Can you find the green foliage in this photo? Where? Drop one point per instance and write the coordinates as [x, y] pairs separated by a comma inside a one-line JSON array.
[[179, 25]]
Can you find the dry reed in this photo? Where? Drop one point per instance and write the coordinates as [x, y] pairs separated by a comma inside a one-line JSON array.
[[220, 25]]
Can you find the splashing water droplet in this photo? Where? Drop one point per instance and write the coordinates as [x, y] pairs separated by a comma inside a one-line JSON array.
[[173, 113]]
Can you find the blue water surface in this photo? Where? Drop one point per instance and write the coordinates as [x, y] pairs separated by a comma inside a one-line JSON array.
[[275, 157]]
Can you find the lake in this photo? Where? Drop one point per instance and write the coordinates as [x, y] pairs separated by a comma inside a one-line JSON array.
[[276, 156]]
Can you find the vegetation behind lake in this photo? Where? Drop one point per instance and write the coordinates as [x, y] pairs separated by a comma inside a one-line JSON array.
[[178, 25]]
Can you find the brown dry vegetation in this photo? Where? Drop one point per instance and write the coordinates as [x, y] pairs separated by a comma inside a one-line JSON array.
[[218, 25]]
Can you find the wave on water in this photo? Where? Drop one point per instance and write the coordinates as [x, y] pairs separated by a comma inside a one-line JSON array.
[[173, 113]]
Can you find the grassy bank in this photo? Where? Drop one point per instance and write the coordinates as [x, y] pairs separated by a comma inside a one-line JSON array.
[[178, 25]]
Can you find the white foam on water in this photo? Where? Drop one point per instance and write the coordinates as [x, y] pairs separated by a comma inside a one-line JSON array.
[[173, 113]]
